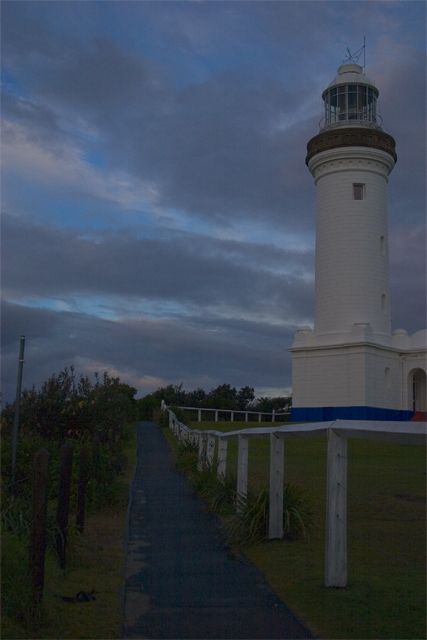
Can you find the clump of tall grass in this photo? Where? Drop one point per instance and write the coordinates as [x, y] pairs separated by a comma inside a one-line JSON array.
[[185, 456], [218, 492], [248, 525]]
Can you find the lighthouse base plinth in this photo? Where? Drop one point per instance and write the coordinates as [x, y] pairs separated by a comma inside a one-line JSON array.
[[359, 380]]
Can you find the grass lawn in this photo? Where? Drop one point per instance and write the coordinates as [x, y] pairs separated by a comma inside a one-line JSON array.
[[96, 564], [386, 592]]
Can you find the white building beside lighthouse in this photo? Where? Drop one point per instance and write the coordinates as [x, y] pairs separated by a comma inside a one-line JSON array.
[[352, 366]]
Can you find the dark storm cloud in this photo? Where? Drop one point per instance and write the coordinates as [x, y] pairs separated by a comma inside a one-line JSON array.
[[198, 354], [186, 269], [224, 147]]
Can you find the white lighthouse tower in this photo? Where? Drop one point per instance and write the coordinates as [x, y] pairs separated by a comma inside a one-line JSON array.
[[351, 366]]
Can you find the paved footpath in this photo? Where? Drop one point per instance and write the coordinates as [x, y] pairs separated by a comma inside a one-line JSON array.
[[180, 580]]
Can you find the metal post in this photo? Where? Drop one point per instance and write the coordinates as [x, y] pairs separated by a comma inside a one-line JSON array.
[[17, 407]]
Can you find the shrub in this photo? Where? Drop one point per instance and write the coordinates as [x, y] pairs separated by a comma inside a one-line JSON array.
[[162, 418]]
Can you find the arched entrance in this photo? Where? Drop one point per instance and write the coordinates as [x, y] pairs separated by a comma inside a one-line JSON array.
[[417, 390]]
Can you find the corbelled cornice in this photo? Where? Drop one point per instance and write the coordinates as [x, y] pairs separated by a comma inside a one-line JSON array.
[[351, 137]]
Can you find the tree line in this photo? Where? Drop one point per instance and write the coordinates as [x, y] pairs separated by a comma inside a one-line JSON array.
[[223, 397]]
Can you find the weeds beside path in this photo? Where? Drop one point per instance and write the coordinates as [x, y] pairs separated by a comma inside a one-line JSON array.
[[95, 565]]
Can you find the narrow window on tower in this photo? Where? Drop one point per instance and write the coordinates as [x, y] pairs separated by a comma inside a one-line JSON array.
[[358, 191], [387, 378], [384, 302]]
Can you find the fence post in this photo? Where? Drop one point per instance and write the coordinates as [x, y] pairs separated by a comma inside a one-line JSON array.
[[216, 416], [242, 465], [277, 450], [63, 501], [81, 488], [222, 457], [336, 512], [37, 546], [210, 450], [95, 456], [199, 415], [201, 452]]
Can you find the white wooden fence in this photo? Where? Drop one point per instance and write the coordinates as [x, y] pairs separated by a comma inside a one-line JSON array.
[[267, 414], [337, 433]]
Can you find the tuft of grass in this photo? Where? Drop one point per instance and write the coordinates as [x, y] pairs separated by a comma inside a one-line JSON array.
[[249, 524], [185, 457], [219, 493]]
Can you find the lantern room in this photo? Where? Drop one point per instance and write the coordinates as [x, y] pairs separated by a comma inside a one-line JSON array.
[[350, 99]]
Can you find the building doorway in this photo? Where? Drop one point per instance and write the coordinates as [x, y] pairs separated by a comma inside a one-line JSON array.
[[417, 390]]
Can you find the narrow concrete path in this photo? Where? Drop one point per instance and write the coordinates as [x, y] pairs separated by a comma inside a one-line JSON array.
[[180, 581]]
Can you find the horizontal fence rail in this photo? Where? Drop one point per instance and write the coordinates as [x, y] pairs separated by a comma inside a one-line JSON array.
[[270, 414], [337, 432]]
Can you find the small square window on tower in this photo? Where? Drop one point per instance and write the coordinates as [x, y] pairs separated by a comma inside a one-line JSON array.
[[358, 191]]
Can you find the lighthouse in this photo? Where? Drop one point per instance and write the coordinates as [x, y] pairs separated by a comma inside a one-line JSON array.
[[352, 366]]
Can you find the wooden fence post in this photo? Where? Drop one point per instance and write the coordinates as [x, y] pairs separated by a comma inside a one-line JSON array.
[[210, 450], [277, 450], [242, 465], [63, 501], [222, 457], [201, 452], [81, 488], [37, 546], [95, 456], [336, 512]]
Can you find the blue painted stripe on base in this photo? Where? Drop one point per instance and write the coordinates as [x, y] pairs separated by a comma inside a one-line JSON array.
[[323, 414]]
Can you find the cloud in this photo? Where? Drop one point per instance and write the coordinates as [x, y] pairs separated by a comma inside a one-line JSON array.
[[185, 269], [144, 350]]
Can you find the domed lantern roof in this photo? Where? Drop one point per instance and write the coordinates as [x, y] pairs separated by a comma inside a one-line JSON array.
[[351, 73]]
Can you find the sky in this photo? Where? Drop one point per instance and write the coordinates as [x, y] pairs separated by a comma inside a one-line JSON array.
[[158, 217]]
